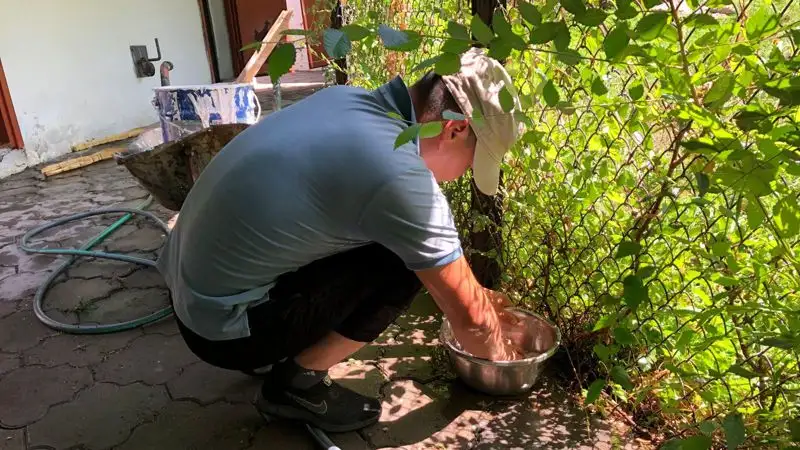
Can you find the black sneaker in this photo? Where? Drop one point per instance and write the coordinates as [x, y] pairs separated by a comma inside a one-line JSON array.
[[326, 405]]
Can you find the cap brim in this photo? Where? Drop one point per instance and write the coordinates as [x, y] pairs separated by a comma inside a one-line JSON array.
[[485, 170]]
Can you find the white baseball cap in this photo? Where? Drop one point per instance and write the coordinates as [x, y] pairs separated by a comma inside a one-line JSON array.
[[476, 88]]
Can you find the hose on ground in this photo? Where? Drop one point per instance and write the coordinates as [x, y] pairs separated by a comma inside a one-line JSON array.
[[84, 251]]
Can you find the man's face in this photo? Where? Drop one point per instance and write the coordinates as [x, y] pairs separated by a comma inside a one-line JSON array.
[[450, 154]]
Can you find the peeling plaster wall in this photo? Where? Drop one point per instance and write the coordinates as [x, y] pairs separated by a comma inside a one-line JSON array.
[[70, 73]]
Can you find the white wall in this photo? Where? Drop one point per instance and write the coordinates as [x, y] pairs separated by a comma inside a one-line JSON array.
[[70, 72], [219, 25]]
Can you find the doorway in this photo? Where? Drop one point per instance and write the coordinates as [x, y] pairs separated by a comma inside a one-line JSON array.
[[314, 14], [248, 22], [10, 136]]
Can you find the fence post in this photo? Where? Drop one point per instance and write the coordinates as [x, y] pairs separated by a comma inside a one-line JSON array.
[[337, 20], [487, 269]]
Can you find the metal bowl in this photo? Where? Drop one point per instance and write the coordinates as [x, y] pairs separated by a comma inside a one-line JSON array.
[[504, 378]]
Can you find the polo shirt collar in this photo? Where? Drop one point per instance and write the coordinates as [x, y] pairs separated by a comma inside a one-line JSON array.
[[395, 96]]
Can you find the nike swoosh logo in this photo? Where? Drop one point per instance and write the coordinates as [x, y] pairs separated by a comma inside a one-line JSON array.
[[316, 408]]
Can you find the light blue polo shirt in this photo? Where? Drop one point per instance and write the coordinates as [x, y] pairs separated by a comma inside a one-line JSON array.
[[317, 178]]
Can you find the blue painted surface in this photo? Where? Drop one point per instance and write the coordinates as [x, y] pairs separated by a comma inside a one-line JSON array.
[[227, 103]]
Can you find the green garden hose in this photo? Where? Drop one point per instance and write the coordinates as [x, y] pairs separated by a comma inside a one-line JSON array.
[[84, 251]]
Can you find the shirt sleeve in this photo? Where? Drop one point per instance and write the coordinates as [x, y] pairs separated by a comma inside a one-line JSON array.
[[411, 217]]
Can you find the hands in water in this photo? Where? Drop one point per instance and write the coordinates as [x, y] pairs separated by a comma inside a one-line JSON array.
[[503, 340]]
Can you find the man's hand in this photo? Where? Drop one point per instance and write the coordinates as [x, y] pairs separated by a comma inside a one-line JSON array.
[[475, 313]]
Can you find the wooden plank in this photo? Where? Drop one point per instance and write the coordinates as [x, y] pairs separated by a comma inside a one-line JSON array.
[[269, 42], [80, 161], [108, 139]]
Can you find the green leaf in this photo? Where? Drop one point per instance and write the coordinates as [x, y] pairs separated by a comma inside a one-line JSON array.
[[720, 91], [707, 427], [458, 31], [455, 46], [651, 26], [481, 31], [651, 3], [592, 17], [755, 215], [337, 44], [605, 322], [594, 390], [426, 64], [562, 38], [764, 21], [703, 183], [742, 50], [787, 216], [550, 94], [399, 40], [447, 63], [504, 30], [603, 352], [499, 49], [794, 430], [646, 272], [625, 10], [355, 32], [616, 41], [685, 339], [598, 87], [741, 371], [702, 20], [395, 115], [778, 342], [634, 291], [627, 248], [569, 57], [620, 376], [452, 115], [407, 135], [636, 91], [720, 248], [530, 13], [576, 7], [506, 100], [544, 33], [430, 129], [280, 61], [623, 336], [696, 442], [733, 424]]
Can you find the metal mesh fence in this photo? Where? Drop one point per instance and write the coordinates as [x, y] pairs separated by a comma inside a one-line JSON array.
[[611, 228]]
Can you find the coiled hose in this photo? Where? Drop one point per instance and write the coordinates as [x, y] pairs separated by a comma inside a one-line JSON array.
[[84, 251]]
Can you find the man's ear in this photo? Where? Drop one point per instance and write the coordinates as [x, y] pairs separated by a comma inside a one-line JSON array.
[[453, 129]]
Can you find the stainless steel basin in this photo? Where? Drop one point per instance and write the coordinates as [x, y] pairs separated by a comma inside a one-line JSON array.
[[504, 378]]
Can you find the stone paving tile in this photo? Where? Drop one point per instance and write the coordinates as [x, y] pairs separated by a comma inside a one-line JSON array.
[[186, 425], [8, 362], [78, 350], [28, 392], [126, 305], [93, 268], [151, 359], [364, 378], [21, 331], [147, 277], [206, 384], [167, 327], [12, 439], [100, 417], [76, 295], [20, 285]]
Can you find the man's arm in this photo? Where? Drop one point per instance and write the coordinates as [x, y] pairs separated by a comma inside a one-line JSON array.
[[468, 307]]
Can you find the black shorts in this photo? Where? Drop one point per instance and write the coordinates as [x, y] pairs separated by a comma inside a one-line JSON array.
[[357, 293]]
